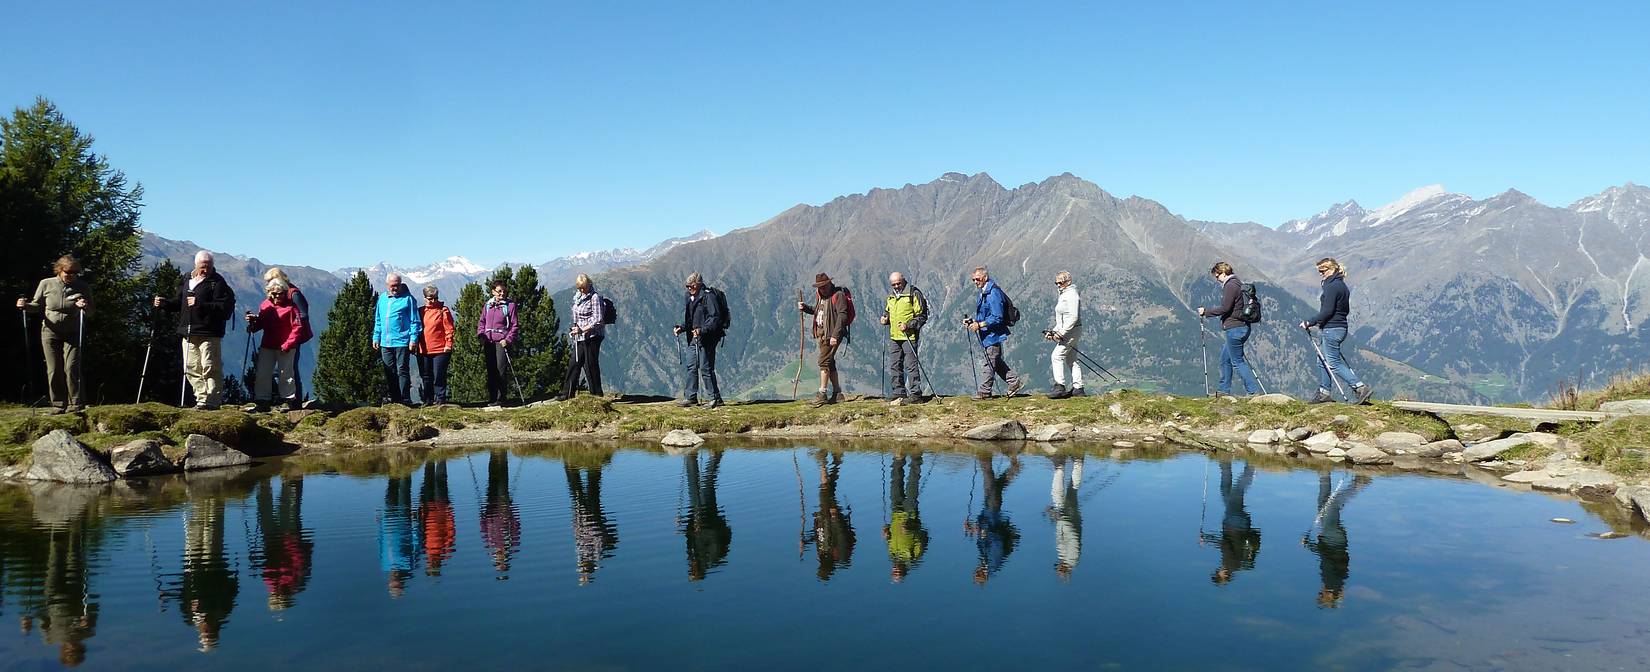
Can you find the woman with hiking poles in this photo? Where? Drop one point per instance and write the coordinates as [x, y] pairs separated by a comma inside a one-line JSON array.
[[1235, 327], [61, 300], [1335, 302]]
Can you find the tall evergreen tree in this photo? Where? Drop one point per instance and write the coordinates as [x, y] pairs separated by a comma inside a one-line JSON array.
[[466, 373], [58, 197], [540, 353], [347, 369]]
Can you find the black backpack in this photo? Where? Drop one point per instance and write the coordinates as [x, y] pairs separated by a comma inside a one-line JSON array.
[[610, 315], [1011, 312], [1248, 303], [721, 308]]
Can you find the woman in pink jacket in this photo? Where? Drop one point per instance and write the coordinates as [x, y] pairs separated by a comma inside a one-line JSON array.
[[282, 325]]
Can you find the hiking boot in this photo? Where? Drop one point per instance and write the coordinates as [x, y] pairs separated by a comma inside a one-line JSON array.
[[57, 411], [1322, 397], [1058, 392], [982, 396], [688, 402], [836, 397], [715, 403], [1078, 392], [1223, 396], [1015, 387], [914, 399], [260, 407], [898, 401], [1364, 393], [820, 399]]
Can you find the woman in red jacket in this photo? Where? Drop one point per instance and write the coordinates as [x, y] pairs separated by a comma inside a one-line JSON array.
[[282, 325], [434, 348]]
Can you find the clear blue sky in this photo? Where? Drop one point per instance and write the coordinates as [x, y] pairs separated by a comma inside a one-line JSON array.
[[336, 134]]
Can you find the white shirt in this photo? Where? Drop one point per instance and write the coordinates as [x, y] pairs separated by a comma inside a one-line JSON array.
[[1066, 311]]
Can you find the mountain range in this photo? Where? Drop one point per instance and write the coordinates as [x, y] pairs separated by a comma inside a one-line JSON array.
[[1455, 299]]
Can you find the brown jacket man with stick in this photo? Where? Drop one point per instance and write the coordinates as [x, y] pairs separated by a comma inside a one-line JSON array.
[[833, 313]]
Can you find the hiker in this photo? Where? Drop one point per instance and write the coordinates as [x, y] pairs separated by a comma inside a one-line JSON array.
[[395, 328], [990, 325], [703, 523], [281, 325], [905, 315], [302, 302], [1230, 312], [995, 535], [833, 311], [1334, 303], [62, 301], [204, 303], [1239, 539], [1068, 325], [1334, 560], [497, 330], [833, 536], [907, 538], [702, 321], [1067, 513], [587, 334], [434, 347]]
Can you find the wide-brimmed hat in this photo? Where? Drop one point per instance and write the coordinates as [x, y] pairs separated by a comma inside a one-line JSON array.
[[821, 280]]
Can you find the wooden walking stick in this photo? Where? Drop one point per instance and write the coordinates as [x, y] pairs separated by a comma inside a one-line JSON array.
[[801, 338]]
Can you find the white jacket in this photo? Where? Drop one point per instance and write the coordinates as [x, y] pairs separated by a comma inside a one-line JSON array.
[[1066, 312]]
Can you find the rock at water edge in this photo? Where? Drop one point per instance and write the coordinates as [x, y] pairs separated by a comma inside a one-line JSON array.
[[201, 453], [1360, 453], [1400, 441], [59, 457], [682, 438], [140, 458], [1487, 450], [1263, 436], [1440, 448], [1052, 433], [1322, 443], [1005, 430]]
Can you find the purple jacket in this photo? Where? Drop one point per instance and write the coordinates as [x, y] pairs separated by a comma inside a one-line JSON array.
[[498, 322]]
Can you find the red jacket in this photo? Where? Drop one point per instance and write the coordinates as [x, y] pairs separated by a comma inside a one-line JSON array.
[[438, 329], [281, 323]]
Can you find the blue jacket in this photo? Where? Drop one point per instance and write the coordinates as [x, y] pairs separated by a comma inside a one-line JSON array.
[[989, 313], [1335, 301], [700, 312], [396, 323]]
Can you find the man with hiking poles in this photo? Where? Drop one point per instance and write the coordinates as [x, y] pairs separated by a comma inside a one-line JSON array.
[[905, 314], [833, 312], [990, 324], [704, 319]]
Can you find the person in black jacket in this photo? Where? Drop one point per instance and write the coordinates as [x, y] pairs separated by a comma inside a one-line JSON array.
[[1334, 302], [204, 303], [702, 322], [1235, 329]]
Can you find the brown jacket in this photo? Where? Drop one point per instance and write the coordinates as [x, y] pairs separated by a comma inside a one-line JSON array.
[[836, 315]]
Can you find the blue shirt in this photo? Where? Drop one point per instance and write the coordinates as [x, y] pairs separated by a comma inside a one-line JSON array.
[[989, 313], [396, 323]]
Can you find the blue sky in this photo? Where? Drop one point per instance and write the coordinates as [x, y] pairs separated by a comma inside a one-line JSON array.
[[334, 135]]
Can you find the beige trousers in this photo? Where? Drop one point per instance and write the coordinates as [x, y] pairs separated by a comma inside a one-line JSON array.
[[203, 367]]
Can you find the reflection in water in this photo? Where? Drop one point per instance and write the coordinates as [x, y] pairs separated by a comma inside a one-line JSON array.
[[1239, 539], [284, 548], [1334, 560], [593, 537], [704, 524], [51, 569], [1066, 513], [397, 536], [907, 538], [994, 534], [833, 527], [435, 517], [210, 585], [500, 521]]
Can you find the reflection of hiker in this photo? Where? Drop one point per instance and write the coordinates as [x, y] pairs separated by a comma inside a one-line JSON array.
[[593, 537], [833, 525], [500, 523], [994, 534], [907, 538], [1334, 561], [435, 517], [397, 536], [287, 552], [209, 585], [1239, 539], [1066, 513], [707, 531], [67, 609]]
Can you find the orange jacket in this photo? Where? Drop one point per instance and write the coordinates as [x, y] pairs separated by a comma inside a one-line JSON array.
[[438, 329]]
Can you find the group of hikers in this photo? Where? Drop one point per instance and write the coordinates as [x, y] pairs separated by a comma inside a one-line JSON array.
[[409, 336]]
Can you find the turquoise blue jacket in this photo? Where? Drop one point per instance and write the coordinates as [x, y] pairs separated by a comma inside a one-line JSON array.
[[396, 323]]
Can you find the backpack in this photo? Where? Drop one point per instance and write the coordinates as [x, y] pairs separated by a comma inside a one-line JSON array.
[[852, 312], [610, 315], [721, 308], [1011, 312], [1248, 303]]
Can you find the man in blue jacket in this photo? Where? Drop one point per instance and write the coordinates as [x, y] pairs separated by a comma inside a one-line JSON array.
[[395, 328], [702, 321], [990, 324]]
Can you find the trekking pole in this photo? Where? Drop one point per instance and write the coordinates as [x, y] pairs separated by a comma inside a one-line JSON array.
[[1203, 344], [801, 340], [80, 353], [883, 374], [1324, 362], [1092, 365], [246, 357], [973, 363], [916, 353], [512, 366], [25, 370], [143, 375]]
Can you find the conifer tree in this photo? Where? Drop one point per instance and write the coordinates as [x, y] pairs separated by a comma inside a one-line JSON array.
[[347, 369], [466, 373]]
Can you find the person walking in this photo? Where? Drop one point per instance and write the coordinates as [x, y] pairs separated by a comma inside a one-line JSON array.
[[1230, 312], [281, 325], [1068, 326], [204, 303], [497, 330], [832, 311], [434, 347], [1334, 303], [905, 314], [61, 300], [395, 328], [702, 321], [587, 333], [296, 296], [990, 325]]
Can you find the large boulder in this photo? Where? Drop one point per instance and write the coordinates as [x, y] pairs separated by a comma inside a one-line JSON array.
[[1052, 433], [1439, 448], [682, 438], [1273, 399], [1585, 482], [1263, 436], [59, 457], [1298, 434], [201, 453], [1005, 430], [1400, 442], [1322, 443], [1363, 453], [140, 458], [1628, 406], [1488, 450], [1634, 498]]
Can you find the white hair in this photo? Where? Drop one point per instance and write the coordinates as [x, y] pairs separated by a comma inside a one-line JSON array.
[[276, 285], [203, 255]]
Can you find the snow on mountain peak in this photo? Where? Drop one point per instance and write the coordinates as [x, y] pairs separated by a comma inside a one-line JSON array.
[[1406, 203]]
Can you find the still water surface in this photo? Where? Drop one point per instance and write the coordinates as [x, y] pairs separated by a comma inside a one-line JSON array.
[[855, 556]]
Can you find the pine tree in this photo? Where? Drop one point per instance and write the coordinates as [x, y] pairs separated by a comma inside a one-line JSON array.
[[540, 354], [466, 372], [347, 369]]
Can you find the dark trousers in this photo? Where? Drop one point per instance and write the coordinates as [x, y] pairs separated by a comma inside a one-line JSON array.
[[397, 376], [587, 354], [432, 378], [902, 368], [701, 368], [498, 370]]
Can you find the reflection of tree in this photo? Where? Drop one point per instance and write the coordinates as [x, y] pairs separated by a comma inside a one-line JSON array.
[[500, 522], [435, 517], [994, 534], [593, 537], [50, 570], [285, 548], [906, 536], [1239, 539], [1067, 513], [397, 537], [704, 525], [833, 528], [1334, 560], [209, 587]]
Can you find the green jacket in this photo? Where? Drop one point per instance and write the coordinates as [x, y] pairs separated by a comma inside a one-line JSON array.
[[906, 314]]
